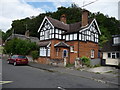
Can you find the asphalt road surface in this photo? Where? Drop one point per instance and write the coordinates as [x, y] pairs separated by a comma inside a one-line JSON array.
[[22, 76]]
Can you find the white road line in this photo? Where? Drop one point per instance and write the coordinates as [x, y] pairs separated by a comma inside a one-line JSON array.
[[4, 82]]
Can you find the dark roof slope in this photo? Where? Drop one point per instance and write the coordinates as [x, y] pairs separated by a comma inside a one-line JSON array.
[[70, 28], [58, 24], [108, 46], [44, 44], [23, 37]]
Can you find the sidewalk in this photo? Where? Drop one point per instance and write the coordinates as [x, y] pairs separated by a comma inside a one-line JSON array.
[[110, 79]]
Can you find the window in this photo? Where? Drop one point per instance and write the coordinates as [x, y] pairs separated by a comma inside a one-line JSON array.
[[113, 55], [71, 36], [44, 51], [47, 34], [48, 51], [79, 36], [56, 35], [52, 35], [117, 55], [116, 40], [92, 37], [65, 53], [75, 36], [67, 37], [109, 55], [60, 37], [63, 36], [92, 53], [82, 37], [72, 49], [56, 31]]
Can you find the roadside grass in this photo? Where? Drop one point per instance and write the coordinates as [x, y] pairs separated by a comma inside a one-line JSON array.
[[69, 65], [1, 49]]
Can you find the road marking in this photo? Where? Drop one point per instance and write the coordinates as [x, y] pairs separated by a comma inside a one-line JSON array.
[[61, 88], [4, 82]]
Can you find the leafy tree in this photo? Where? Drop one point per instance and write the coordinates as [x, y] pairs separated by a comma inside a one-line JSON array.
[[18, 46]]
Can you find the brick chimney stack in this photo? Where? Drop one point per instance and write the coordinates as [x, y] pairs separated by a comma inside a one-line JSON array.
[[63, 18], [85, 18]]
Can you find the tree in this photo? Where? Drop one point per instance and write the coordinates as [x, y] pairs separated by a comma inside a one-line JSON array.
[[18, 46]]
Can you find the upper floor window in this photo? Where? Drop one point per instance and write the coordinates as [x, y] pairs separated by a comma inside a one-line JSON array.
[[116, 40], [47, 34]]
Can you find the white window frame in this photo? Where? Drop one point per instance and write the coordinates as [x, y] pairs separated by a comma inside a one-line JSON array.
[[92, 53], [116, 40]]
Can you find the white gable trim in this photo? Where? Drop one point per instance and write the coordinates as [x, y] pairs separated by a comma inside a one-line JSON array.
[[60, 42], [90, 26], [49, 44], [43, 23]]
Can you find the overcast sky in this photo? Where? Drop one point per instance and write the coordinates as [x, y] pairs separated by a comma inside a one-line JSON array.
[[18, 9]]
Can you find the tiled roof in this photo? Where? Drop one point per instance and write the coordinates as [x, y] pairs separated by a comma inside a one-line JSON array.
[[23, 37], [70, 28], [108, 47], [44, 44], [58, 24], [61, 44]]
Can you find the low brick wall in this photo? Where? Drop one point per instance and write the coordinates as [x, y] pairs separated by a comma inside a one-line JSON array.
[[42, 60]]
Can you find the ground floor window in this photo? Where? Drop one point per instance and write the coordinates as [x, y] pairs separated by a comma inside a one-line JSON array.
[[44, 51], [114, 55], [92, 53]]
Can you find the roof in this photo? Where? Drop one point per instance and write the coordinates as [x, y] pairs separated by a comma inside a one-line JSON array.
[[58, 24], [108, 46], [44, 44], [70, 28], [23, 37], [61, 44]]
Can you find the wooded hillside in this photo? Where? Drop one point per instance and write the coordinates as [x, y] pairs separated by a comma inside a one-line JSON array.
[[108, 25]]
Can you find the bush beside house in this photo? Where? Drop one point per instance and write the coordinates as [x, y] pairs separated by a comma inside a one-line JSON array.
[[21, 47]]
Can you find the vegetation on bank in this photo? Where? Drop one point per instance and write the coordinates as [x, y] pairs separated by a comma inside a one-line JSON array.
[[108, 25], [20, 47]]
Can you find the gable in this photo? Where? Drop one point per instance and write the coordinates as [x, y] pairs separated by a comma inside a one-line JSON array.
[[92, 27], [45, 23]]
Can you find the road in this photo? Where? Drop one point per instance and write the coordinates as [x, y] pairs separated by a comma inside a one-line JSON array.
[[23, 76]]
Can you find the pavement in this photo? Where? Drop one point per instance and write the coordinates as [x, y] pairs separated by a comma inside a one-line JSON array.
[[108, 75]]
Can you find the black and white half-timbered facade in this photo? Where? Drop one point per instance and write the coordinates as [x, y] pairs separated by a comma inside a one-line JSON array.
[[57, 38]]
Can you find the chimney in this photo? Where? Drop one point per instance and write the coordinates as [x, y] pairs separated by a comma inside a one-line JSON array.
[[85, 18], [27, 33], [63, 18]]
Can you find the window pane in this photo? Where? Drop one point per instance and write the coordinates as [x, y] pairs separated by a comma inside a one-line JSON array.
[[75, 36], [67, 37], [109, 55], [71, 36], [79, 36], [117, 55]]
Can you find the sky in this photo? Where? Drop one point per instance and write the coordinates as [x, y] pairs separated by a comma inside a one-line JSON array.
[[11, 10]]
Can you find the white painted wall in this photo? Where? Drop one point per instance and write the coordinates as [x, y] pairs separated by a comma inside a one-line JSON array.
[[110, 61]]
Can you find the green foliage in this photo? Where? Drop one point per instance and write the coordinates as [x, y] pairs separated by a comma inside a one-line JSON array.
[[69, 65], [108, 25], [18, 46], [34, 54], [85, 60]]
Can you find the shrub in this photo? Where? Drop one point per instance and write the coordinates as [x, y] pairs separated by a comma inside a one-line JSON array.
[[18, 46], [85, 60], [34, 54]]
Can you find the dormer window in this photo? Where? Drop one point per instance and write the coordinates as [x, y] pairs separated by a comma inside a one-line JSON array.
[[116, 40]]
